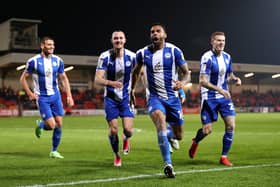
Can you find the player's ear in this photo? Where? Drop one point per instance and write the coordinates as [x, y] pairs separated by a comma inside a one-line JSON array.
[[165, 35]]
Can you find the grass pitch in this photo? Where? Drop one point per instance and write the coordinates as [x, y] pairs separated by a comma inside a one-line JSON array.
[[88, 159]]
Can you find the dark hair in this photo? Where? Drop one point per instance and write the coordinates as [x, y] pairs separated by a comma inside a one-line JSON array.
[[118, 31], [159, 24], [43, 39], [215, 34]]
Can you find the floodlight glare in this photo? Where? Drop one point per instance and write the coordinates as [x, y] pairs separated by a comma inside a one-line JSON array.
[[248, 75], [276, 76], [69, 68], [20, 67]]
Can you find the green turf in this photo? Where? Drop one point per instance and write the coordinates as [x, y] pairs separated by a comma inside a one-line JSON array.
[[88, 156]]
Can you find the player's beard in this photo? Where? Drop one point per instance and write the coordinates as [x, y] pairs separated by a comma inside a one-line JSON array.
[[157, 41], [48, 52]]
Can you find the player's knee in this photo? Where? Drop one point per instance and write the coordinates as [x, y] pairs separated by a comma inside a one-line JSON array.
[[157, 114], [230, 127], [178, 135], [59, 125], [127, 133], [113, 130], [207, 130], [50, 126]]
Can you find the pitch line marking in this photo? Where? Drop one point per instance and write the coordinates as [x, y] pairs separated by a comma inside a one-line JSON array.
[[151, 175]]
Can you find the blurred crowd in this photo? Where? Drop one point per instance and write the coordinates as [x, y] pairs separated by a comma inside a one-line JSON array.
[[93, 99]]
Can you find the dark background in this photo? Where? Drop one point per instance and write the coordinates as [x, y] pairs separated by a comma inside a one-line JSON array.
[[252, 27]]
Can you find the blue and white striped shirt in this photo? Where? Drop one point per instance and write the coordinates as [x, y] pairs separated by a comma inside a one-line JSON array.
[[217, 68], [161, 69], [117, 69], [44, 73]]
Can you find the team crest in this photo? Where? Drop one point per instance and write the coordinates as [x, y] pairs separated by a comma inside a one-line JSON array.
[[167, 55], [127, 63], [54, 63]]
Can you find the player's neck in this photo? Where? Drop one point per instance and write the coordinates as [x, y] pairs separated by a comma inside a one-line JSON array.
[[217, 52], [119, 52], [158, 46], [46, 55]]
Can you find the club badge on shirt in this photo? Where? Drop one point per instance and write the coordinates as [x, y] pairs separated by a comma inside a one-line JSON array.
[[127, 63]]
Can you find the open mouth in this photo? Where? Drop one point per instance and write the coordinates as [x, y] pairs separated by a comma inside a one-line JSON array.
[[155, 39]]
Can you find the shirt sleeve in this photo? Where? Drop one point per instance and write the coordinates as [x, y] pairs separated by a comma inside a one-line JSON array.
[[139, 57], [30, 66], [179, 57], [61, 67], [205, 65], [102, 63]]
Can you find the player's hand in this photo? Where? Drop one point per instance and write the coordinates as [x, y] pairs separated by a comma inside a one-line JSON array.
[[115, 84], [70, 101], [238, 81], [33, 96], [178, 85], [225, 93]]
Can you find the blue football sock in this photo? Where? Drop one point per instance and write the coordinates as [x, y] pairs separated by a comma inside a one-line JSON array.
[[164, 146], [227, 141], [56, 138], [42, 125], [199, 136], [170, 133], [114, 141]]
